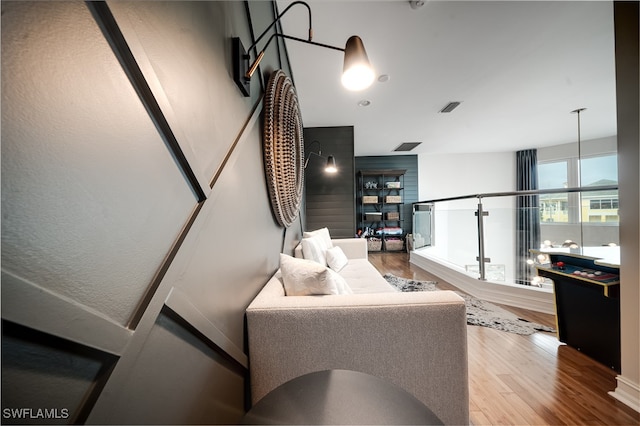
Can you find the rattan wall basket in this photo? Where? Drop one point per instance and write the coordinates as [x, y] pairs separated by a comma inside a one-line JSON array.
[[283, 146]]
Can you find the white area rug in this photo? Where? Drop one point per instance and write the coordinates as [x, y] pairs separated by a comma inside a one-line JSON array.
[[479, 312]]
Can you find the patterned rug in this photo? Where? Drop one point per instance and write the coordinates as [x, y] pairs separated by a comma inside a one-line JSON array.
[[479, 312]]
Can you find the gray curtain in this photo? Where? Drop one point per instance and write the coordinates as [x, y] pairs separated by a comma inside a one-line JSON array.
[[527, 214]]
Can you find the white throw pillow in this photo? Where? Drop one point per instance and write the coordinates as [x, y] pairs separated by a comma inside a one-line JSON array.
[[322, 233], [304, 277], [336, 259], [314, 248]]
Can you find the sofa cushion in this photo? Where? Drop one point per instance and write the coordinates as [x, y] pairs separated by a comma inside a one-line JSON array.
[[364, 278], [336, 259], [303, 277]]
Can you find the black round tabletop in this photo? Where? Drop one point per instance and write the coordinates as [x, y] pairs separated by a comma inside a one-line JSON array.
[[340, 397]]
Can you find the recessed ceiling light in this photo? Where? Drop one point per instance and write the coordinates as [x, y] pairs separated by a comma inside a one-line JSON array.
[[384, 78], [364, 103]]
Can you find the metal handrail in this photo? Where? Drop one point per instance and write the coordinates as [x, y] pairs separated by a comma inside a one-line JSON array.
[[480, 213], [524, 192]]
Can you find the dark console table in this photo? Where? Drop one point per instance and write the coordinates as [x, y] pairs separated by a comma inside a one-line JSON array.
[[587, 296], [340, 397]]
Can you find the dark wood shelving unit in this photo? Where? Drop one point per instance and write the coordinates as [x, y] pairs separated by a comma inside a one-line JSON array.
[[380, 213]]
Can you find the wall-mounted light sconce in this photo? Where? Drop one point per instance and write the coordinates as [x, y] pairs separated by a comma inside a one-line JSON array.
[[331, 165], [357, 72], [331, 161]]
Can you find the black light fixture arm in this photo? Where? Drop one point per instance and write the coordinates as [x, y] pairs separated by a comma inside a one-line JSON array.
[[278, 19], [341, 49], [242, 71], [319, 153], [331, 161], [254, 66], [357, 71]]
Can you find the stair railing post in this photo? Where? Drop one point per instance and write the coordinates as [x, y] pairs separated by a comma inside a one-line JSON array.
[[480, 213]]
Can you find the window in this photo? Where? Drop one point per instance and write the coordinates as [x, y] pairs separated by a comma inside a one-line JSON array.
[[553, 207], [600, 206], [601, 170], [552, 175], [603, 204]]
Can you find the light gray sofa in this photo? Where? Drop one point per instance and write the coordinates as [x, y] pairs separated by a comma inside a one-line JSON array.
[[416, 340]]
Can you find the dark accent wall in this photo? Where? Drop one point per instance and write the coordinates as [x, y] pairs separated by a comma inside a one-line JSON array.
[[396, 162], [136, 222], [330, 199]]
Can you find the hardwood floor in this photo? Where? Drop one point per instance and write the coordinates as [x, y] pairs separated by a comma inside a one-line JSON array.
[[527, 380]]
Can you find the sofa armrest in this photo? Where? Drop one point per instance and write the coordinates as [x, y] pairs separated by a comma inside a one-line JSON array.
[[416, 340], [353, 248]]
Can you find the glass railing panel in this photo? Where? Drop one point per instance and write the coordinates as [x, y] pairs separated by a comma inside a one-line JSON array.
[[505, 230], [560, 220], [501, 237], [500, 224], [586, 222], [600, 220], [596, 224], [454, 234], [423, 225]]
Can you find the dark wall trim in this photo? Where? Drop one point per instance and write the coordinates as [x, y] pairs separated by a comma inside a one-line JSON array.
[[257, 109], [210, 335], [164, 267], [107, 23], [107, 362]]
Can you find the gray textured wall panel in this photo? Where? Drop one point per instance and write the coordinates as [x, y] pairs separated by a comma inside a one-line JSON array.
[[93, 200]]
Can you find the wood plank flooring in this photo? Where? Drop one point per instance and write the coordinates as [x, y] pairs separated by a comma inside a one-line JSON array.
[[527, 380]]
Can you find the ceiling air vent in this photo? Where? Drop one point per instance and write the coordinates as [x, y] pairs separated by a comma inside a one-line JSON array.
[[407, 146], [450, 107]]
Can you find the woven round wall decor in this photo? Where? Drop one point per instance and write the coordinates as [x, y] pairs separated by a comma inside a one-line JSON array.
[[283, 146]]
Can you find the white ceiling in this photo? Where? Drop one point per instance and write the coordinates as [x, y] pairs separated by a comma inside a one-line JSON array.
[[518, 68]]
